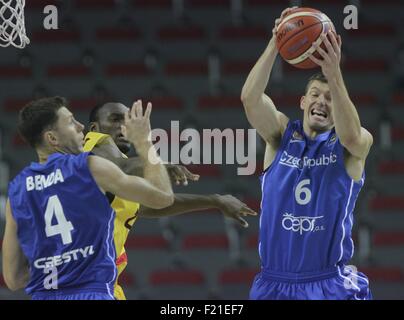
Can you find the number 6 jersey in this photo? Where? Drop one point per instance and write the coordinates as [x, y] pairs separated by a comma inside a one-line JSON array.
[[65, 227], [307, 204]]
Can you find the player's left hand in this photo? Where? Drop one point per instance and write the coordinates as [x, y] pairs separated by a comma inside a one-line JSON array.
[[180, 174], [332, 57], [232, 207]]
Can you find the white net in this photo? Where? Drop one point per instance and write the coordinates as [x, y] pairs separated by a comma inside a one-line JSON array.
[[12, 25]]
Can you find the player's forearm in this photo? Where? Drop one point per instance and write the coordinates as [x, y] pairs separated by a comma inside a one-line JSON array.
[[258, 78], [346, 118], [133, 166], [15, 273], [183, 203], [153, 168]]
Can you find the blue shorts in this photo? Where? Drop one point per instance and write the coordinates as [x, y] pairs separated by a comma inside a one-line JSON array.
[[76, 296], [339, 283]]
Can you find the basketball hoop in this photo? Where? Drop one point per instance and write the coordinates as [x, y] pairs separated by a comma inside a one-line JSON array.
[[12, 25]]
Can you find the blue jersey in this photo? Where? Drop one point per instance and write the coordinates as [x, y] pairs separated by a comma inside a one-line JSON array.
[[65, 227], [307, 204]]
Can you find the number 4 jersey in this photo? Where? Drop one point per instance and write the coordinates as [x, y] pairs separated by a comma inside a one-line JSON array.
[[307, 204], [65, 227]]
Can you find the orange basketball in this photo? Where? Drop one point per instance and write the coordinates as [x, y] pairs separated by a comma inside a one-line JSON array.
[[296, 33]]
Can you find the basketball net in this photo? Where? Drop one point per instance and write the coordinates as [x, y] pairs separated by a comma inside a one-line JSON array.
[[12, 25]]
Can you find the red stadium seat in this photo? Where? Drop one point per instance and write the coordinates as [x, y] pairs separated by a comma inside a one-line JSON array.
[[237, 67], [364, 100], [253, 203], [365, 65], [374, 30], [146, 242], [388, 238], [387, 203], [244, 33], [252, 241], [205, 170], [15, 72], [83, 103], [2, 282], [398, 98], [147, 4], [214, 102], [127, 279], [118, 34], [208, 3], [127, 69], [174, 277], [45, 36], [15, 104], [205, 241], [397, 133], [181, 33], [391, 167], [286, 100], [388, 274], [95, 4], [68, 71], [18, 141], [237, 276], [253, 3], [180, 68], [166, 102], [39, 4]]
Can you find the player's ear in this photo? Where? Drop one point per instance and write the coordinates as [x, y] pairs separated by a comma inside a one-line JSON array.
[[302, 99], [50, 138], [94, 127]]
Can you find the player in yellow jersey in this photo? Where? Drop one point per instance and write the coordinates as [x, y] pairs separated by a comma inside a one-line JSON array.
[[107, 139]]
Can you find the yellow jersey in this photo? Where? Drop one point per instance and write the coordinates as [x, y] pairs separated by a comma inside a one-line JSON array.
[[126, 215]]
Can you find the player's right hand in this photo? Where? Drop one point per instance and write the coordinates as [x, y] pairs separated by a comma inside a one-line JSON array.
[[138, 129], [278, 21]]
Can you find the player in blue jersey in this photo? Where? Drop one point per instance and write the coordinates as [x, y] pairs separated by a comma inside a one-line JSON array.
[[314, 170], [58, 240]]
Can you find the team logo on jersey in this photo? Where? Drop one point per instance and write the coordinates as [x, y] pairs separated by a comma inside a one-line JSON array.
[[300, 163], [301, 224], [332, 140], [296, 137]]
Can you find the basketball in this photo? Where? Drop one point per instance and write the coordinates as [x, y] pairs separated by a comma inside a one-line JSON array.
[[297, 32]]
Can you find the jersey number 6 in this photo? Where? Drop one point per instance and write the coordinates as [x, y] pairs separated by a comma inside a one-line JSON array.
[[302, 193]]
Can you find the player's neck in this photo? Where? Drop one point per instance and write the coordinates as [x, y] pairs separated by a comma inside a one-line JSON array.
[[311, 133]]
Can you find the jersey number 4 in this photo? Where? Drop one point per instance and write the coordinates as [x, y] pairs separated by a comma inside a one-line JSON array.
[[63, 227]]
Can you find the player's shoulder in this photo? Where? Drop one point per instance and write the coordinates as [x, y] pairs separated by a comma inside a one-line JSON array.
[[92, 139]]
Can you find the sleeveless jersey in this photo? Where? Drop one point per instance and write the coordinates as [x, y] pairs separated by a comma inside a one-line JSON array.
[[307, 204], [126, 215], [65, 227]]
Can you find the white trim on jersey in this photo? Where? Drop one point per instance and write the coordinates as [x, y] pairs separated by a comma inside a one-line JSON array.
[[343, 223], [262, 200], [109, 256]]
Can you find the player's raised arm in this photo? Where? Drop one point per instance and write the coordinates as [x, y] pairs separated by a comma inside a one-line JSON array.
[[111, 178], [260, 110], [356, 139], [155, 189], [15, 264]]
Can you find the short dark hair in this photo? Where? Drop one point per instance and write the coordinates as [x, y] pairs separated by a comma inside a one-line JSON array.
[[319, 76], [38, 116], [94, 113]]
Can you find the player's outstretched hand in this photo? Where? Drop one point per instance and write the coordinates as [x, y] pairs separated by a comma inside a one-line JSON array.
[[180, 174], [331, 57], [137, 125], [233, 208]]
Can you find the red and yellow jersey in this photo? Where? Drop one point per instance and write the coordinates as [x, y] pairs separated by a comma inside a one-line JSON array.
[[126, 215]]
